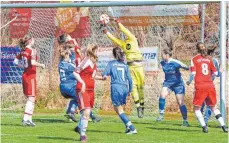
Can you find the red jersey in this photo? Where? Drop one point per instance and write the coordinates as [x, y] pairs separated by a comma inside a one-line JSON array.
[[87, 70], [203, 68], [26, 56]]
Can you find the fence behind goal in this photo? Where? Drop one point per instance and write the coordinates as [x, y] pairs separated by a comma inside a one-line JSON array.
[[157, 27]]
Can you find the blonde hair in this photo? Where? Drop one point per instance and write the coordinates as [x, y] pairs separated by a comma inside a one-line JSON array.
[[90, 52]]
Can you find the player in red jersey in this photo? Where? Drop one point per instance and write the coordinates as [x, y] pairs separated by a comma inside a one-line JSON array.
[[28, 60], [86, 74], [203, 68]]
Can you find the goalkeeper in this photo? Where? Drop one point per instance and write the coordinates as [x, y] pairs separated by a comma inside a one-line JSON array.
[[134, 60]]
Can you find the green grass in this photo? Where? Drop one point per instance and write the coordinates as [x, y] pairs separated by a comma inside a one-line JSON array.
[[54, 128]]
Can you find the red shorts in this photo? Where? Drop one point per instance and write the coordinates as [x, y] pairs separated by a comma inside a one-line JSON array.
[[29, 84], [86, 100], [207, 95]]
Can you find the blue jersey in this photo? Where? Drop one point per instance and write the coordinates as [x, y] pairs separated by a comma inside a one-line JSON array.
[[119, 73], [171, 69], [66, 70]]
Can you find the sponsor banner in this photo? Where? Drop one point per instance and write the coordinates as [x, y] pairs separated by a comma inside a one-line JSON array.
[[150, 58], [156, 10], [9, 72], [19, 27], [74, 21], [169, 15], [160, 21]]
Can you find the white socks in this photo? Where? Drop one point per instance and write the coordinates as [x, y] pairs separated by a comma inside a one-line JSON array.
[[29, 107], [200, 118], [219, 117]]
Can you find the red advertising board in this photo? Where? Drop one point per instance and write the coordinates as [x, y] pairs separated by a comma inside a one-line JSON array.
[[19, 27]]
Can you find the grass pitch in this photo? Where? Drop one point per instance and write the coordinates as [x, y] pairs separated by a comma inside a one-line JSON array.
[[54, 128]]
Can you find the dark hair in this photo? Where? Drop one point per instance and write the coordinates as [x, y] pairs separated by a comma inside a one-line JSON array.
[[22, 44], [203, 52], [198, 45], [118, 54], [62, 38], [167, 51], [211, 51]]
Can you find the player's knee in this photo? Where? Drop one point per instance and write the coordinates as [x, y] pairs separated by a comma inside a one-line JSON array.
[[31, 98]]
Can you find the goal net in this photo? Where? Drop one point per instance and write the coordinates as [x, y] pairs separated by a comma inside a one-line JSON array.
[[157, 27]]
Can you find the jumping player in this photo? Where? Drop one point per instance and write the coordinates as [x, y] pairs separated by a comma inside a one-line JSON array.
[[134, 61], [202, 67], [28, 58], [121, 86], [173, 82]]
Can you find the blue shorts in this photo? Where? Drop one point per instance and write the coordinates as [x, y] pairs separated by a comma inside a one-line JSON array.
[[118, 94], [177, 88], [68, 90]]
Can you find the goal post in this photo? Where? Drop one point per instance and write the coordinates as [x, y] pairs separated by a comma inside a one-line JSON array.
[[156, 24]]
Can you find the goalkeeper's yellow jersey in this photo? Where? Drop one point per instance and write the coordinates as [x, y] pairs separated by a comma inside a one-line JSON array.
[[129, 46]]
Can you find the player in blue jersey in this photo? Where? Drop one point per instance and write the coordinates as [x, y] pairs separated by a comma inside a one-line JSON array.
[[121, 86], [173, 82], [67, 81], [208, 111]]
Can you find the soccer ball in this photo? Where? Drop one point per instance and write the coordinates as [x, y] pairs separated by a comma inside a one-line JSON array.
[[104, 19]]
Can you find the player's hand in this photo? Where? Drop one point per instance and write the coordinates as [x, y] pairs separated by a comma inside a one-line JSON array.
[[83, 88], [103, 28], [43, 66], [188, 83]]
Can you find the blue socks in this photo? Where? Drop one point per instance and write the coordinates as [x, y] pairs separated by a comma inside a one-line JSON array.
[[72, 106], [126, 121], [183, 111], [161, 105], [207, 115]]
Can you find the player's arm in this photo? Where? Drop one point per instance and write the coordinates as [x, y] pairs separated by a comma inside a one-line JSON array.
[[34, 62], [213, 68], [191, 77], [217, 66], [182, 65], [79, 79], [193, 72], [115, 40], [107, 71], [124, 30], [16, 61]]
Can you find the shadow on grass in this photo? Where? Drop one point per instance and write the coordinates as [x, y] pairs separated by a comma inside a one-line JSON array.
[[17, 125], [97, 131], [58, 138], [46, 120], [183, 129]]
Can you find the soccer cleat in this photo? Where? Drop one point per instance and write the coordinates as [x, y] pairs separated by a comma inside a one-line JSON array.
[[185, 124], [127, 130], [83, 138], [28, 123], [225, 129], [132, 132], [160, 118], [95, 119], [205, 129], [139, 110], [77, 129], [71, 117]]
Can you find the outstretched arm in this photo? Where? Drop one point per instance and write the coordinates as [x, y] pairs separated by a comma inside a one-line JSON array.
[[115, 40], [124, 29]]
